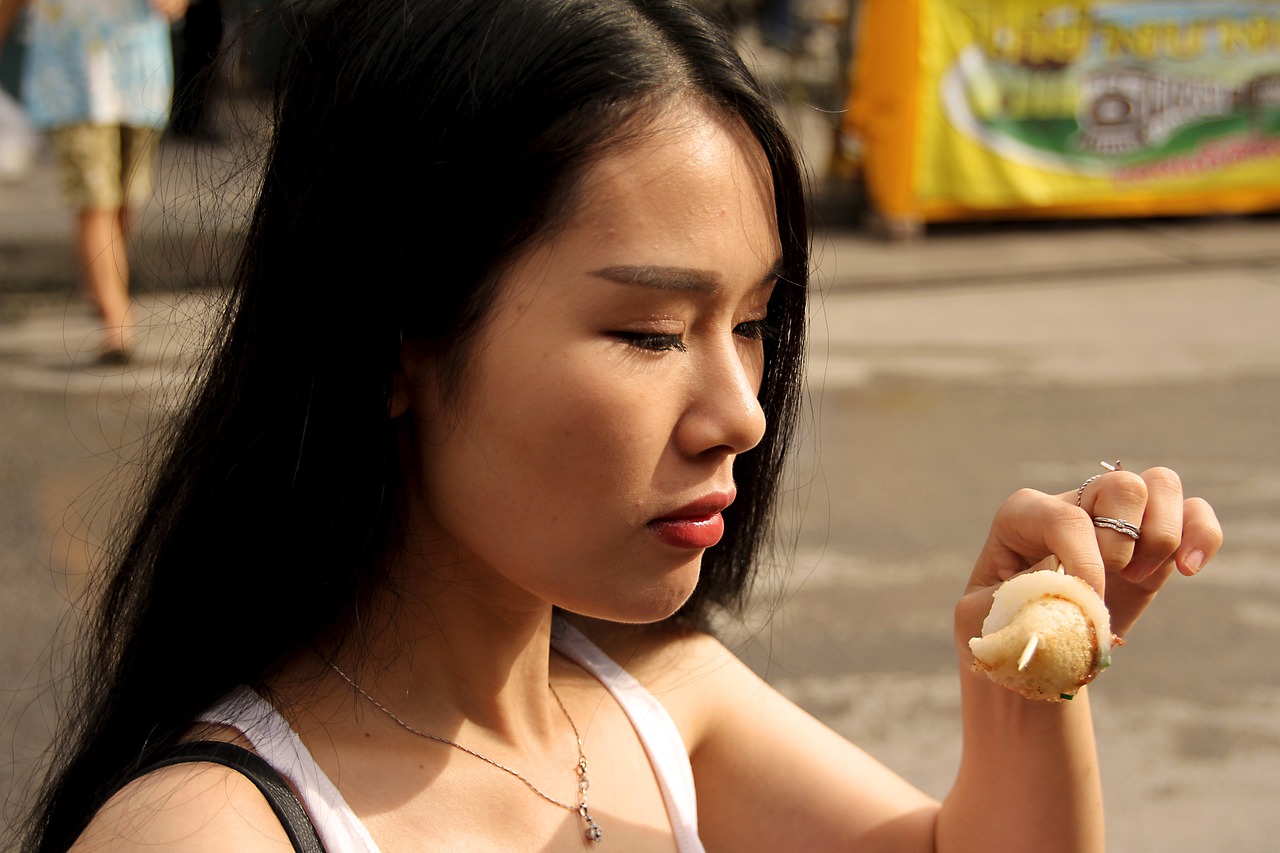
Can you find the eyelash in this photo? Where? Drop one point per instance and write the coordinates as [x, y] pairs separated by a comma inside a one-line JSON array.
[[754, 330], [652, 341]]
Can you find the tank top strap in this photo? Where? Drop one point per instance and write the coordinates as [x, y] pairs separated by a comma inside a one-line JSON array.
[[657, 731]]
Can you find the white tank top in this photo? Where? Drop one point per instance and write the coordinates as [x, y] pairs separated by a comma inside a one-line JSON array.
[[342, 832]]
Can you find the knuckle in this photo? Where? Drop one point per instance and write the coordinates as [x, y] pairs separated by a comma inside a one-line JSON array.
[[1200, 516], [1028, 507], [1164, 479], [1127, 488], [1161, 538], [1026, 495], [1058, 513], [1020, 501]]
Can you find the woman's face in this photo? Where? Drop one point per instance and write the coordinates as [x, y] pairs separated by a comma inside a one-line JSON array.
[[586, 455]]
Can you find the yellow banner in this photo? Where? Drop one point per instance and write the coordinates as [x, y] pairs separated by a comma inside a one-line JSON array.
[[1026, 103]]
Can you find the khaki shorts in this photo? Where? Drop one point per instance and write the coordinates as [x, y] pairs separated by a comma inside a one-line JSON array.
[[105, 167]]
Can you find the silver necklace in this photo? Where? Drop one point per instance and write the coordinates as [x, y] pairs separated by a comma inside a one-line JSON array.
[[592, 832]]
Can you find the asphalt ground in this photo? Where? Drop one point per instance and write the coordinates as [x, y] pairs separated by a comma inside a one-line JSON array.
[[945, 373]]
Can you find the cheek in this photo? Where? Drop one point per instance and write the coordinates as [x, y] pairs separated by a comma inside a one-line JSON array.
[[549, 474], [545, 445], [580, 425]]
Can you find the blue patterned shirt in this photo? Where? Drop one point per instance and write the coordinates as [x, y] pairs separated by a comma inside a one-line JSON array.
[[97, 62]]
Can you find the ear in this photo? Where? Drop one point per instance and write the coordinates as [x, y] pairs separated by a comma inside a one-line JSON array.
[[399, 403], [415, 383], [407, 365]]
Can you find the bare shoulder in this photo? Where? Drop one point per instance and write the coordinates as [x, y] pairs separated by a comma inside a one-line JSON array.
[[189, 808], [748, 744]]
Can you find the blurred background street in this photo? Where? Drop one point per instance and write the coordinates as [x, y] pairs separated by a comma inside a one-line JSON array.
[[945, 372]]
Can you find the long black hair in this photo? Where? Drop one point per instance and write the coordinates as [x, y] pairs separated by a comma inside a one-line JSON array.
[[418, 146]]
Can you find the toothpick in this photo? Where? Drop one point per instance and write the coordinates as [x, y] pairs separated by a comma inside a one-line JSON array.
[[1028, 652]]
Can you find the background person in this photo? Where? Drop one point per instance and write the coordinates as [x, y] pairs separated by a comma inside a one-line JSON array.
[[98, 76]]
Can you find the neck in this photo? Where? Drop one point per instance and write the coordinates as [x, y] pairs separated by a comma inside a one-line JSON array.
[[460, 649]]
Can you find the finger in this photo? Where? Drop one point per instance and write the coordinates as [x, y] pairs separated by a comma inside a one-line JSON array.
[[1201, 536], [1117, 499], [1031, 525], [1161, 524]]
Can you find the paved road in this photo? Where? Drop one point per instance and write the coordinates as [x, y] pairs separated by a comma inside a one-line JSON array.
[[988, 360], [945, 374]]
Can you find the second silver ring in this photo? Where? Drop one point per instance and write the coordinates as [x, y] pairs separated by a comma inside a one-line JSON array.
[[1119, 525]]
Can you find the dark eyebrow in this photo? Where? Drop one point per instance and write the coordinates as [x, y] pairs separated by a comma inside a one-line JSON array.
[[663, 278], [674, 278]]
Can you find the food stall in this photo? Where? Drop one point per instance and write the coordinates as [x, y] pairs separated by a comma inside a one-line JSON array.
[[1066, 108]]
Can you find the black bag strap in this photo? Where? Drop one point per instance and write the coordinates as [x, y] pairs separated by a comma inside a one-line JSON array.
[[293, 817]]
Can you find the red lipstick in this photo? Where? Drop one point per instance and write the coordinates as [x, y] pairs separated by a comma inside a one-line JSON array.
[[695, 526]]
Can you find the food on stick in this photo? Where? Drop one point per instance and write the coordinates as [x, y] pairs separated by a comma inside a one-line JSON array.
[[1048, 634]]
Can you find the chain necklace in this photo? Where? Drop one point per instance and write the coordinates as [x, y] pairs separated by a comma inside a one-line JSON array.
[[592, 832]]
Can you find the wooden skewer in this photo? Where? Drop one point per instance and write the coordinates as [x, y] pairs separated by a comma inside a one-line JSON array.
[[1028, 652]]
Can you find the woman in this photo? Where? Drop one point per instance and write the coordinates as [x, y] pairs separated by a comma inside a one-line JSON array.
[[474, 478]]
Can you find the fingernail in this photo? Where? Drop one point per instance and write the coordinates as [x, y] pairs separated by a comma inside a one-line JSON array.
[[1194, 560]]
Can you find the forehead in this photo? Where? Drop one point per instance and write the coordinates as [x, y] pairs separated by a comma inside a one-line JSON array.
[[694, 183]]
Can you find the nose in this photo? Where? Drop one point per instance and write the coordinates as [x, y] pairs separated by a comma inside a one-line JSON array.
[[724, 413]]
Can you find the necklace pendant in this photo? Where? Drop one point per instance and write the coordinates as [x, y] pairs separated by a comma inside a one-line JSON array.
[[593, 833]]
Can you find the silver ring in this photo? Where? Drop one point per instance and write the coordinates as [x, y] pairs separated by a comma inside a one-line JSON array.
[[1119, 525], [1110, 466]]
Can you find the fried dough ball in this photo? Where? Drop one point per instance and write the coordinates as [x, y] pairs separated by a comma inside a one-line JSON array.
[[1048, 634]]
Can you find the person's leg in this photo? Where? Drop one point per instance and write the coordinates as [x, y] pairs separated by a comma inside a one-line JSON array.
[[138, 146], [100, 242], [90, 158]]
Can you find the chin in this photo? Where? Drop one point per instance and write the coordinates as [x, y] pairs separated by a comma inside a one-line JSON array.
[[658, 602], [662, 608]]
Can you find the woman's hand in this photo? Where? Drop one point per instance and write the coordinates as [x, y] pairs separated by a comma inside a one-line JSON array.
[[1176, 532], [171, 9], [1029, 778]]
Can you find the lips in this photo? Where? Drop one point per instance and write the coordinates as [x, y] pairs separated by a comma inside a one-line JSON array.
[[696, 525]]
